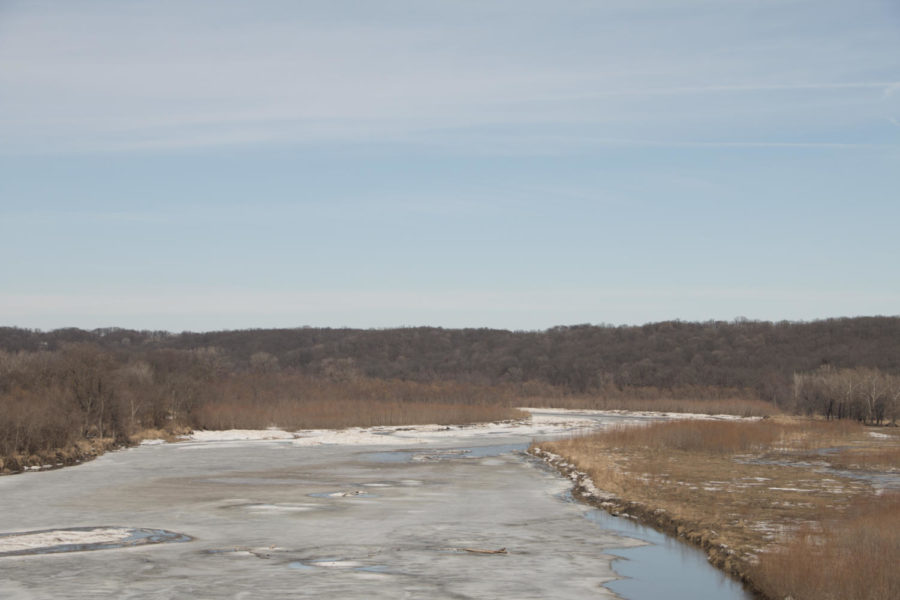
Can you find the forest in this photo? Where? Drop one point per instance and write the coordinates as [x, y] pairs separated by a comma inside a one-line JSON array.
[[756, 355], [861, 394], [71, 388]]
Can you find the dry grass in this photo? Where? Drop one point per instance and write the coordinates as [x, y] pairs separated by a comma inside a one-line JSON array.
[[46, 425], [856, 557], [50, 458], [879, 453], [740, 406], [296, 401], [693, 436], [870, 459], [735, 487], [170, 435], [338, 414], [728, 436]]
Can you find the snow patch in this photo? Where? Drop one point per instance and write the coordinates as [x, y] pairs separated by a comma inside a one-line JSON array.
[[231, 435], [276, 508], [542, 422], [643, 415], [47, 539], [341, 564]]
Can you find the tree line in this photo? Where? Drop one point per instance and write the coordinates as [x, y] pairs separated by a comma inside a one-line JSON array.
[[54, 402], [757, 356], [62, 387], [866, 395]]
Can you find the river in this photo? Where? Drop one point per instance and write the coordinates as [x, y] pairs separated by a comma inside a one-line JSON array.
[[390, 513]]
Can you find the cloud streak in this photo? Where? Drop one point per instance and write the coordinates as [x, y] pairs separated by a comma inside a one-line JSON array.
[[199, 77], [514, 163]]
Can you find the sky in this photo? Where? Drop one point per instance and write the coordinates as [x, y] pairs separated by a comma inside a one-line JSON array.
[[519, 164]]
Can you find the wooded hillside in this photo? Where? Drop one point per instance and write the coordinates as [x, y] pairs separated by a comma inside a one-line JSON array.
[[750, 355]]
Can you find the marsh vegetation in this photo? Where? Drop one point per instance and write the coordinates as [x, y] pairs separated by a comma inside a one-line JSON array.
[[69, 394], [797, 507]]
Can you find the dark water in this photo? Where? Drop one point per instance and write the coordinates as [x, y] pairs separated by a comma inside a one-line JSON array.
[[666, 568]]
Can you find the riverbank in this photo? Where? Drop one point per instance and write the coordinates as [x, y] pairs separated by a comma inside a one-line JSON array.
[[82, 451], [412, 426], [746, 491], [377, 513], [72, 454]]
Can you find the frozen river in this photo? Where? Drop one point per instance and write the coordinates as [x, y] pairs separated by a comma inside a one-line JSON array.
[[390, 513]]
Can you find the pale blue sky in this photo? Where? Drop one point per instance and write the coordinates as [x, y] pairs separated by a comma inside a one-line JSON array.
[[518, 164]]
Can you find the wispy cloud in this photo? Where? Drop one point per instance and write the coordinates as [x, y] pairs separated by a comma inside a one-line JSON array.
[[887, 87], [37, 218], [739, 144], [891, 89], [516, 163], [202, 77]]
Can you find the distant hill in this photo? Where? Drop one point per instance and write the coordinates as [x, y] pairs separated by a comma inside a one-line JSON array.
[[756, 355]]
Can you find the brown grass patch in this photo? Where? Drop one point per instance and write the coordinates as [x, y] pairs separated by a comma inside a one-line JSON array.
[[870, 459], [855, 557], [692, 436], [170, 435], [299, 402], [740, 406], [52, 458], [339, 414], [737, 488], [728, 436]]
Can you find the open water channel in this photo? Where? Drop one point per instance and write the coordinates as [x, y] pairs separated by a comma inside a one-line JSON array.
[[443, 513]]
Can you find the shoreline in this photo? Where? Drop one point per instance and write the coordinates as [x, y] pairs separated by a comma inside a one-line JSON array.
[[583, 489], [71, 456], [86, 450]]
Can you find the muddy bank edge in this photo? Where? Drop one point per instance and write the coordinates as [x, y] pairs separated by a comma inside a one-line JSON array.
[[720, 555]]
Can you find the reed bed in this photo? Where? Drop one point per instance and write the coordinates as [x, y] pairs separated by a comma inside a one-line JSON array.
[[724, 437], [755, 496], [874, 459], [340, 414], [855, 557], [632, 401]]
